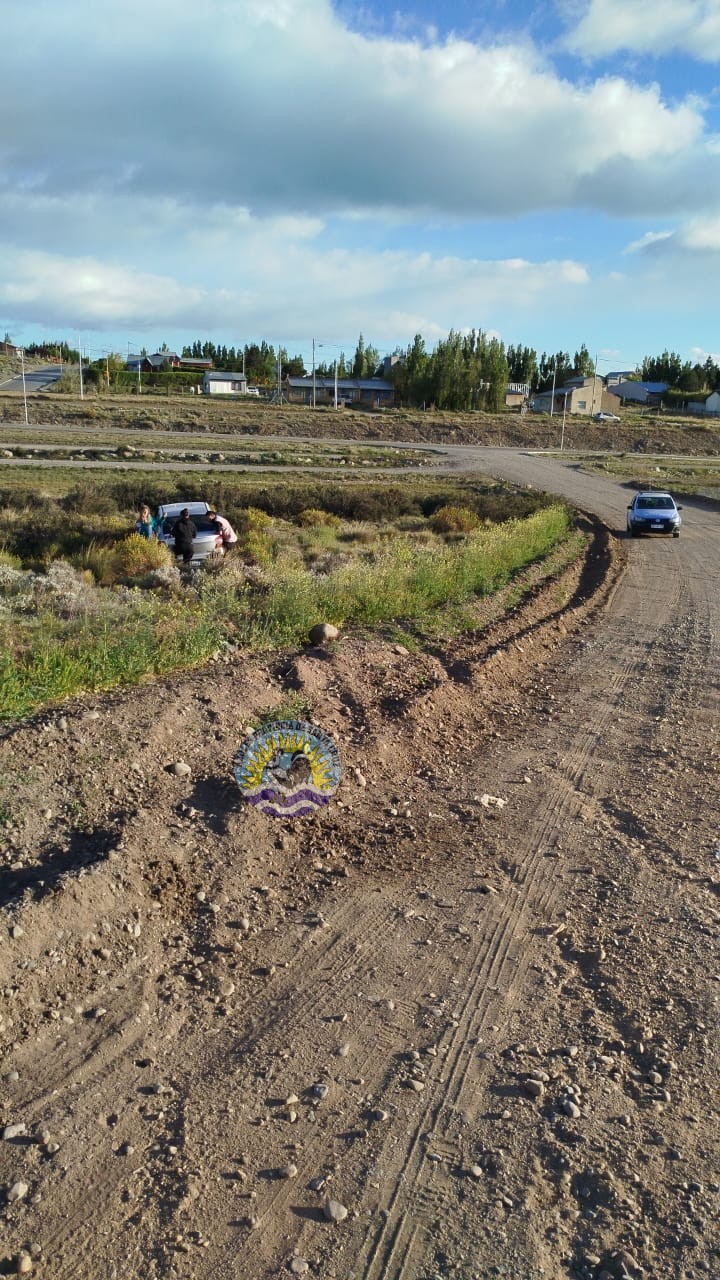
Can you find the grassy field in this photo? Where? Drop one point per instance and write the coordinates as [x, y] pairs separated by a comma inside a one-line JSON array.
[[85, 604]]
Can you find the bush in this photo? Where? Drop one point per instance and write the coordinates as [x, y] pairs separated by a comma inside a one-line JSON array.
[[316, 518], [135, 557], [253, 520], [454, 520]]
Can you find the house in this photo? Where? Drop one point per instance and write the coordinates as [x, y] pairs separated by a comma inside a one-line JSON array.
[[516, 395], [161, 358], [711, 404], [619, 375], [193, 362], [224, 382], [373, 392], [133, 363], [577, 395], [632, 392]]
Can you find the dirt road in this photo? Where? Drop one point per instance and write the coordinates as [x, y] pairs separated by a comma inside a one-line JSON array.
[[463, 1024]]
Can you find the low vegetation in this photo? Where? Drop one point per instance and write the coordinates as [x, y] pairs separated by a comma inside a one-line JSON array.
[[86, 604]]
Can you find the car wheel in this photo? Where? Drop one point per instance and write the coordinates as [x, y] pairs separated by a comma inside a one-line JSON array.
[[676, 534]]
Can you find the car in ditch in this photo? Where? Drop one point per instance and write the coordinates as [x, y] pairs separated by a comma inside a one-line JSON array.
[[207, 543], [651, 512]]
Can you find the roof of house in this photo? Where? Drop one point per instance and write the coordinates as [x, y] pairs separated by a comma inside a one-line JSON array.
[[343, 384], [226, 375], [654, 388], [159, 358]]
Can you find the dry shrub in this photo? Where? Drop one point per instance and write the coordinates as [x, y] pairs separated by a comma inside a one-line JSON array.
[[452, 519], [316, 518], [253, 520], [135, 557]]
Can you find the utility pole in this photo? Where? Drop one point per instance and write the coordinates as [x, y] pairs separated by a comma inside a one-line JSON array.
[[336, 383], [552, 398], [313, 371], [562, 432], [82, 391], [107, 371], [592, 410]]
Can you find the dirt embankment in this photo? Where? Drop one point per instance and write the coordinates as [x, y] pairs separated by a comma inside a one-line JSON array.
[[635, 433]]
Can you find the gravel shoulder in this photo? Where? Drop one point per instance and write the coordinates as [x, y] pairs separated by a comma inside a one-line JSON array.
[[473, 1003]]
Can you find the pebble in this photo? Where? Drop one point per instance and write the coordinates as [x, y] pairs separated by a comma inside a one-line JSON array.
[[417, 1085], [379, 1114], [299, 1266], [24, 1265], [344, 1049], [570, 1108], [288, 1171], [13, 1131], [320, 1090], [180, 769], [475, 1171], [334, 1211], [17, 1191], [535, 1088], [654, 1077]]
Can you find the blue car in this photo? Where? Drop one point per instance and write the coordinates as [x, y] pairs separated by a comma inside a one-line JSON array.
[[651, 512]]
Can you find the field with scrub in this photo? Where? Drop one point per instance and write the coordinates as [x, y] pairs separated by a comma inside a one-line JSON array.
[[86, 604]]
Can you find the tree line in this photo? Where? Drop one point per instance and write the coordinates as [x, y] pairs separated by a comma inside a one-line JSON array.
[[463, 371]]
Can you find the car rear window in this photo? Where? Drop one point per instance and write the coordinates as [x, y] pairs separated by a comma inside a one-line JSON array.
[[202, 524]]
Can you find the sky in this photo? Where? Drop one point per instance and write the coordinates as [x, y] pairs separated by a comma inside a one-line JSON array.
[[301, 169]]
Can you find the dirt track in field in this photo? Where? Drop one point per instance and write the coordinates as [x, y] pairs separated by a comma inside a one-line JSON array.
[[474, 1002]]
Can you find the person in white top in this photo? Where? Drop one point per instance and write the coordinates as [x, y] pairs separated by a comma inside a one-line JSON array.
[[225, 528]]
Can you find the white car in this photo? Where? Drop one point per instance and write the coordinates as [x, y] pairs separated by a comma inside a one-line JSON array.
[[605, 417], [651, 512], [208, 541]]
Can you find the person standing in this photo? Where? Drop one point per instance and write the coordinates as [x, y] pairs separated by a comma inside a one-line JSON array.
[[147, 525], [224, 528], [184, 532]]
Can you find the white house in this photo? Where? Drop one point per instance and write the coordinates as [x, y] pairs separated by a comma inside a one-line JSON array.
[[711, 404], [224, 382]]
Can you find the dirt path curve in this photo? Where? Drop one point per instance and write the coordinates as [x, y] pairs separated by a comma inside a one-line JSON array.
[[474, 1004]]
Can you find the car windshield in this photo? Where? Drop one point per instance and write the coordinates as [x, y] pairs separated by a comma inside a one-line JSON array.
[[660, 502]]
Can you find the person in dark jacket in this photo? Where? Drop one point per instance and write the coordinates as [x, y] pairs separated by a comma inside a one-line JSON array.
[[183, 533]]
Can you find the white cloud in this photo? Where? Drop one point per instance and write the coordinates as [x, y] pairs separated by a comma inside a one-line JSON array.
[[648, 239], [279, 107], [648, 26], [700, 237], [262, 298]]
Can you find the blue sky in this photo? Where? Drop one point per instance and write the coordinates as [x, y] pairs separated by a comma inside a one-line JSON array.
[[289, 169]]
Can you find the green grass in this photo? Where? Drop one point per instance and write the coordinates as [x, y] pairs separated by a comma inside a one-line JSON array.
[[45, 660]]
